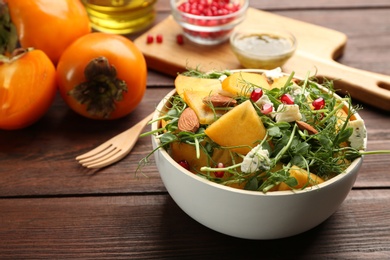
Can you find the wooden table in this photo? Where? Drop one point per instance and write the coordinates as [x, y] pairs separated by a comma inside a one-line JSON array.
[[51, 207]]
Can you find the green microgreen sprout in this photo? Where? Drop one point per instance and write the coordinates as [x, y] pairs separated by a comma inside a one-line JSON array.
[[325, 153]]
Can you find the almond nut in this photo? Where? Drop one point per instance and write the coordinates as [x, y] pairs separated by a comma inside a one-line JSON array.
[[218, 100], [305, 126], [188, 121]]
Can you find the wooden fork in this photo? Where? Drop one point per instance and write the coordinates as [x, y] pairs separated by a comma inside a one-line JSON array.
[[114, 149]]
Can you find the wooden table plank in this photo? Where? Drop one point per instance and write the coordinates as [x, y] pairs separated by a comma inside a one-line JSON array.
[[40, 160], [154, 227], [52, 208], [62, 126]]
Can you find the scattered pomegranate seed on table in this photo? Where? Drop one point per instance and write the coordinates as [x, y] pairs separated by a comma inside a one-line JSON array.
[[149, 39], [180, 39], [159, 38]]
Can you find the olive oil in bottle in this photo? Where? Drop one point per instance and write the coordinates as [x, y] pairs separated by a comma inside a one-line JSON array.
[[120, 16]]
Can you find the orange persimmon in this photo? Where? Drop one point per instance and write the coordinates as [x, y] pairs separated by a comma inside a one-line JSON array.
[[27, 88], [102, 76], [49, 25]]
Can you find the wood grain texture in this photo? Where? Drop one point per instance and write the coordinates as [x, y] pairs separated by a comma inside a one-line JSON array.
[[40, 160], [153, 227], [48, 150]]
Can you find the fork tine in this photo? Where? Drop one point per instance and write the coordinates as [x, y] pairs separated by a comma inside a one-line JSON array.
[[107, 160], [106, 156], [97, 150], [109, 151]]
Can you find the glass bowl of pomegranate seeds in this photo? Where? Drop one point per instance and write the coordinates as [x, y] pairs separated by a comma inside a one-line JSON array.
[[208, 22], [295, 176], [262, 48]]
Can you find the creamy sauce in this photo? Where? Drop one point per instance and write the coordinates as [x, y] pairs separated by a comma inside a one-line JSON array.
[[263, 50], [265, 44]]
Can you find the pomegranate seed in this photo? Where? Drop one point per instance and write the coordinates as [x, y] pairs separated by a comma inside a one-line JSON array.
[[208, 12], [207, 8], [201, 22], [159, 38], [149, 39], [319, 103], [195, 12], [212, 22], [180, 39], [267, 108], [184, 164], [219, 174], [287, 99], [256, 94]]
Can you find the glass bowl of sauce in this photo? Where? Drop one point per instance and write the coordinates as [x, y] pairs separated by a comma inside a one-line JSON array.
[[262, 49]]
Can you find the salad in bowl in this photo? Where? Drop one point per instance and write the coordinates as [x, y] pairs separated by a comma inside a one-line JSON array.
[[257, 154], [260, 130]]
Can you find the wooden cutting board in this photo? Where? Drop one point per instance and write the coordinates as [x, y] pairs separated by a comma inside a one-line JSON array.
[[318, 47]]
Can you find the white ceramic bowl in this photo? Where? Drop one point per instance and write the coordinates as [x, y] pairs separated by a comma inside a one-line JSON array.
[[208, 30], [251, 214]]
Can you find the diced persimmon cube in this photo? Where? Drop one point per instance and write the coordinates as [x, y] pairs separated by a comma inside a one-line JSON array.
[[279, 82], [237, 83], [182, 151], [185, 83], [205, 114], [304, 179], [240, 128]]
